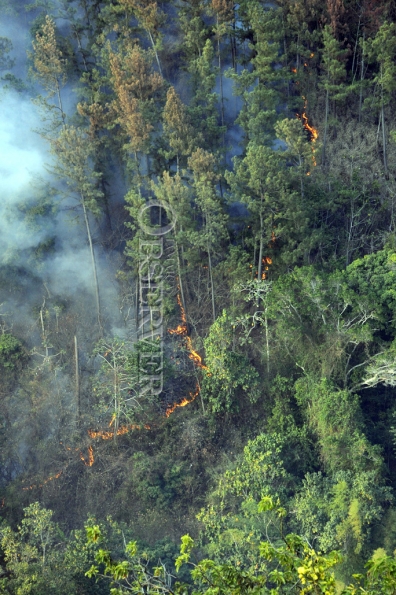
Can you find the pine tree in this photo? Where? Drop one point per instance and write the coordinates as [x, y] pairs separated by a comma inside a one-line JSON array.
[[176, 193], [214, 231], [299, 149], [260, 181], [224, 13], [178, 128], [74, 150], [262, 89], [49, 65], [382, 49], [333, 77], [151, 19], [136, 87], [193, 28], [203, 107]]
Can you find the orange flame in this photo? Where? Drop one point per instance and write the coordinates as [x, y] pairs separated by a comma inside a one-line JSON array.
[[120, 432], [41, 485], [183, 403], [182, 331], [91, 458], [311, 129]]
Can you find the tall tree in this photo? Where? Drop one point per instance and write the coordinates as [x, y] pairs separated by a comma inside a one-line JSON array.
[[259, 182], [49, 65], [261, 88], [194, 30], [151, 18], [136, 87], [204, 104], [333, 77], [74, 150], [178, 128], [382, 50], [224, 14], [214, 230], [176, 193]]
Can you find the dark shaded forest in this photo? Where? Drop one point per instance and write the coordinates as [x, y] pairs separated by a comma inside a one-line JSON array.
[[197, 297]]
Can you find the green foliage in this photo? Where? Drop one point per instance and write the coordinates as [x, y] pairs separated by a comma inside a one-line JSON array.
[[339, 511], [279, 272], [229, 374], [336, 418], [292, 567], [33, 558], [11, 351], [247, 506]]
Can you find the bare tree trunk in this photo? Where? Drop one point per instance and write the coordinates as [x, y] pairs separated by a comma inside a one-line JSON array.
[[77, 377], [137, 306], [211, 284], [361, 82], [155, 52], [260, 258], [267, 341], [44, 334], [81, 49], [180, 279], [384, 147], [202, 403], [325, 130], [116, 399], [355, 48], [94, 270], [221, 77], [254, 259], [60, 105]]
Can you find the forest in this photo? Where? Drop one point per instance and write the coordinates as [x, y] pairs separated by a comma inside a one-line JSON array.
[[197, 297]]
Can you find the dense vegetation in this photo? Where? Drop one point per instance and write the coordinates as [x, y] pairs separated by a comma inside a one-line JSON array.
[[266, 130]]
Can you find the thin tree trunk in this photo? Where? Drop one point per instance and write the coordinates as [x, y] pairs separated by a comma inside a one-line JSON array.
[[325, 130], [94, 270], [301, 177], [361, 82], [267, 342], [77, 377], [211, 284], [183, 300], [254, 259], [43, 330], [233, 42], [137, 308], [384, 147], [354, 49], [260, 258], [116, 399], [202, 403], [155, 52], [81, 49], [221, 77], [60, 102]]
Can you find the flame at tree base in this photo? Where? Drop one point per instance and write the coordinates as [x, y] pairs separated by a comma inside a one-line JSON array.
[[182, 331]]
